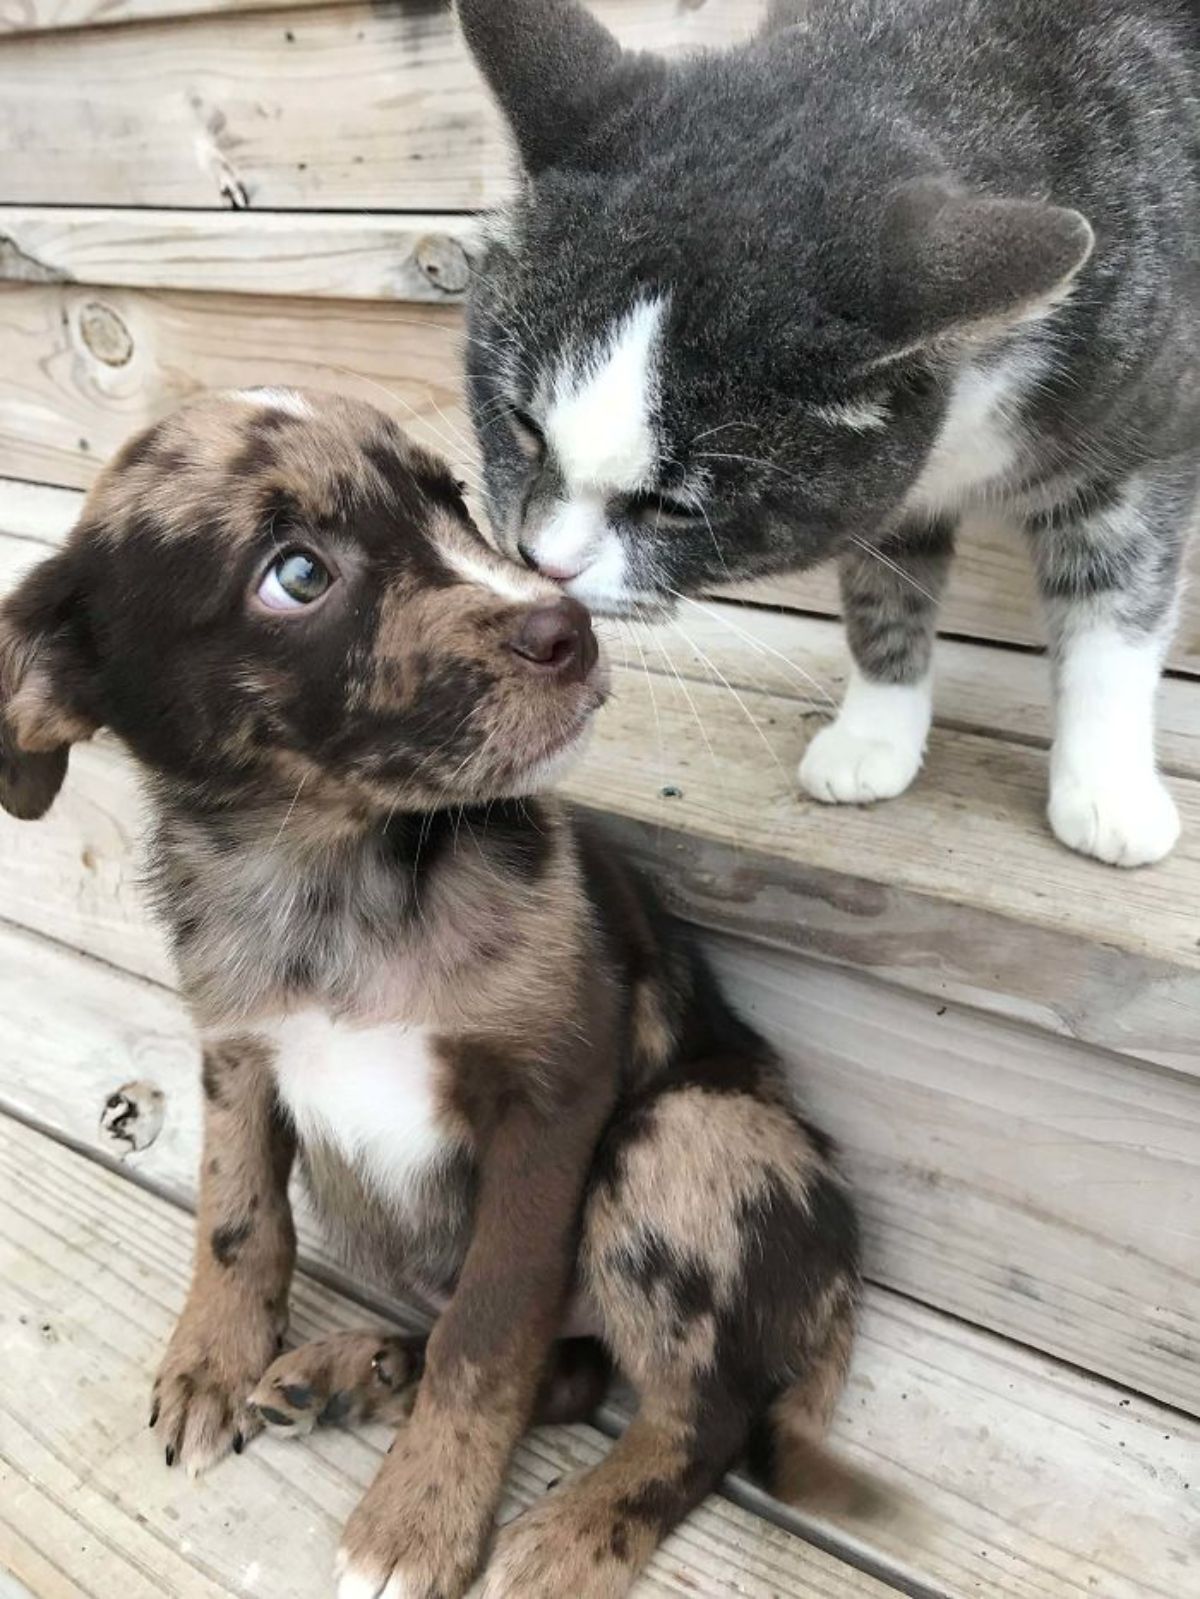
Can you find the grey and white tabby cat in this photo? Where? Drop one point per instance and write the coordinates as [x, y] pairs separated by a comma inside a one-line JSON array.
[[888, 260]]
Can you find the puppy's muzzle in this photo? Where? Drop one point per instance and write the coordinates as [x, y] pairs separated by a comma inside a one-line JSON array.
[[556, 640]]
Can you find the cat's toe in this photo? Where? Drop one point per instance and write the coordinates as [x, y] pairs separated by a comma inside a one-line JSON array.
[[1127, 821], [844, 768]]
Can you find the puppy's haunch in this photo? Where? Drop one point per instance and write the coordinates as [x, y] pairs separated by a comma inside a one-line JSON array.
[[512, 1085]]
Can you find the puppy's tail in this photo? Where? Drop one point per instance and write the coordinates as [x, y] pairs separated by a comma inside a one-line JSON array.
[[791, 1461]]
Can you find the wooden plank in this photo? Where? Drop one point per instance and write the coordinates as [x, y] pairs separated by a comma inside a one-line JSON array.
[[95, 1271], [38, 16], [229, 252], [990, 595], [86, 365], [348, 107], [84, 368], [978, 803], [1041, 1189], [1034, 1481], [908, 891], [980, 688]]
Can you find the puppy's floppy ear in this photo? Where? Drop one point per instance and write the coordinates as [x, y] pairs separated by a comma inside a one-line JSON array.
[[952, 262], [545, 61], [47, 685]]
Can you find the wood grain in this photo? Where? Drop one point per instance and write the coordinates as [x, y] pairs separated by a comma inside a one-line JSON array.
[[95, 1271], [1041, 1189], [35, 16], [231, 252], [85, 367], [71, 397], [1031, 1480], [346, 107], [990, 595]]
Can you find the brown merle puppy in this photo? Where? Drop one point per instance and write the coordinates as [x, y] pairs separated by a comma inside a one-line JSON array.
[[512, 1086]]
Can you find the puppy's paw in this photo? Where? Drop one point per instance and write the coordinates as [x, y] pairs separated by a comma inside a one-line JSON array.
[[554, 1550], [349, 1378], [1124, 818], [420, 1529], [200, 1406], [844, 768]]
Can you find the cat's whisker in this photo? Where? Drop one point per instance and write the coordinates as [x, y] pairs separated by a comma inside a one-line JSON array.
[[662, 747], [718, 775], [721, 427], [758, 644], [892, 566], [738, 700], [448, 443]]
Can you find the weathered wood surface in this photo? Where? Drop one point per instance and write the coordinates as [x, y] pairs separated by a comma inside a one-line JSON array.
[[215, 252], [910, 891], [30, 16], [969, 833], [94, 1270], [990, 595], [87, 363], [1033, 1481], [1044, 1190], [349, 107], [83, 368]]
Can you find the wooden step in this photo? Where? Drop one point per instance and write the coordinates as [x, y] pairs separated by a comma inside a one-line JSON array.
[[957, 889], [217, 110], [1082, 1243], [95, 1270], [1033, 1480]]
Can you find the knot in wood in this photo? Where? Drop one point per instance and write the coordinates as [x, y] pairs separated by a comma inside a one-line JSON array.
[[444, 262], [105, 335]]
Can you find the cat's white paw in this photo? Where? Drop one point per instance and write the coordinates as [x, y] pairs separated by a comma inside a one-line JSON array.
[[845, 768], [1126, 819]]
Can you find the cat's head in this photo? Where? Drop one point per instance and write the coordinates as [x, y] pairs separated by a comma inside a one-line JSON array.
[[713, 335]]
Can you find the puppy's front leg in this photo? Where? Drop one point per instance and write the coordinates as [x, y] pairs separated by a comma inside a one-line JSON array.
[[420, 1531], [236, 1309]]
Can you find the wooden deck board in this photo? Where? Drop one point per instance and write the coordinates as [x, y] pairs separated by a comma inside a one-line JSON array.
[[94, 1271], [1031, 1186], [324, 256], [1033, 1481], [192, 113], [957, 889]]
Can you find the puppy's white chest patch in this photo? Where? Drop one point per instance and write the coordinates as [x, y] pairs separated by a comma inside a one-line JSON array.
[[369, 1092]]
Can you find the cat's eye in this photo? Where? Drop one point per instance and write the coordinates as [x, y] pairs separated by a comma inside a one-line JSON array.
[[527, 432], [294, 580], [662, 510]]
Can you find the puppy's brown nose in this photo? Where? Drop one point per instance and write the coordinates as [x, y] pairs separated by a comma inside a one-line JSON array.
[[557, 638]]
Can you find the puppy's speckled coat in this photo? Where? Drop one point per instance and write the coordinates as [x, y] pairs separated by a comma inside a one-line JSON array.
[[510, 1082]]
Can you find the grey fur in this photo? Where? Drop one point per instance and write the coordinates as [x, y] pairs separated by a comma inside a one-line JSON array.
[[867, 199]]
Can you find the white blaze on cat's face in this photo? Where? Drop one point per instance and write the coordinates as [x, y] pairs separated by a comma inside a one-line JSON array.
[[600, 431]]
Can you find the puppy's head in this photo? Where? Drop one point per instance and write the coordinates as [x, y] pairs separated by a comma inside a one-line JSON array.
[[274, 593]]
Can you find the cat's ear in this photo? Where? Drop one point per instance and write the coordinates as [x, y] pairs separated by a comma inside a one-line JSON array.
[[46, 685], [959, 263], [543, 60]]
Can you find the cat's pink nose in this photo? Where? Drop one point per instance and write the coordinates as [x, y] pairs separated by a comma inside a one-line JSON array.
[[556, 574], [557, 640]]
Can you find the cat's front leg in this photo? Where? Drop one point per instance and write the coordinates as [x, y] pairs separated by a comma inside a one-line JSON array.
[[1109, 571], [890, 595]]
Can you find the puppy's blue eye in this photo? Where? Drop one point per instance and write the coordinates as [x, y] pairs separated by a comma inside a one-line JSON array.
[[293, 580]]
